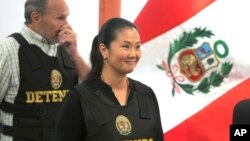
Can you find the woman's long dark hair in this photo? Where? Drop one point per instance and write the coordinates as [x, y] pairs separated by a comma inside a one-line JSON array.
[[107, 34]]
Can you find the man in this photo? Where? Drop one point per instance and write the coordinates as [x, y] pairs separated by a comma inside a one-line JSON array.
[[38, 67]]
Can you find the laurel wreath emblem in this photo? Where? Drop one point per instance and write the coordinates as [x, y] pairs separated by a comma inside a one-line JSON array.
[[187, 40]]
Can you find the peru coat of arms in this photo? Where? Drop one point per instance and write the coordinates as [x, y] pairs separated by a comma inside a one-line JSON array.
[[201, 63]]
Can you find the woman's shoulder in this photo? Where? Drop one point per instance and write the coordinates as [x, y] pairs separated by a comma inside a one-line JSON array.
[[92, 83], [140, 86], [144, 91], [138, 83]]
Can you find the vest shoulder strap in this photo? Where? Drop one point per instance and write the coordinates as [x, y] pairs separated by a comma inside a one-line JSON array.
[[64, 57], [20, 39], [30, 52], [143, 100]]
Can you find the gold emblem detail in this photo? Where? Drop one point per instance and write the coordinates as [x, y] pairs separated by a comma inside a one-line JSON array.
[[55, 79], [123, 125]]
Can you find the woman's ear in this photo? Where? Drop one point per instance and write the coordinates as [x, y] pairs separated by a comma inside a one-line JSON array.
[[104, 51]]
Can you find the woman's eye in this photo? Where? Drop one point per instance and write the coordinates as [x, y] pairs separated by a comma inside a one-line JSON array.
[[125, 46]]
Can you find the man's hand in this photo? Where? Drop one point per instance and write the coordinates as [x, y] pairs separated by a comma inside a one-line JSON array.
[[68, 40]]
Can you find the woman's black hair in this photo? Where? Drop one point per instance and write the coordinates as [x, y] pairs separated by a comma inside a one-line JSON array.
[[107, 34]]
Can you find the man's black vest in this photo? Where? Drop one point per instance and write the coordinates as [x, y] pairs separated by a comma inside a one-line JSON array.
[[137, 121], [44, 82]]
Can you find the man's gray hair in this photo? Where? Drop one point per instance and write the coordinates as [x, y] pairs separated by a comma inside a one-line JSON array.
[[33, 6]]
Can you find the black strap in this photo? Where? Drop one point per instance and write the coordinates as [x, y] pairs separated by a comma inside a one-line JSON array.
[[28, 133], [22, 110], [20, 39], [143, 100], [30, 52], [63, 55], [34, 59], [95, 109]]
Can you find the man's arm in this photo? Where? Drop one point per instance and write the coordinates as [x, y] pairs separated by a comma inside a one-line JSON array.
[[5, 68], [82, 67]]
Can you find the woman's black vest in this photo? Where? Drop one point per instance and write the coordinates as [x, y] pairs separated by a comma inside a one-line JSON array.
[[137, 121], [44, 82]]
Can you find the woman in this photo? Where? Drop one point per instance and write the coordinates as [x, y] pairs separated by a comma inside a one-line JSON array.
[[109, 106]]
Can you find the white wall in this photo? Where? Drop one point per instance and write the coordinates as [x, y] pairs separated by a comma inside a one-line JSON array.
[[83, 18], [11, 15]]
